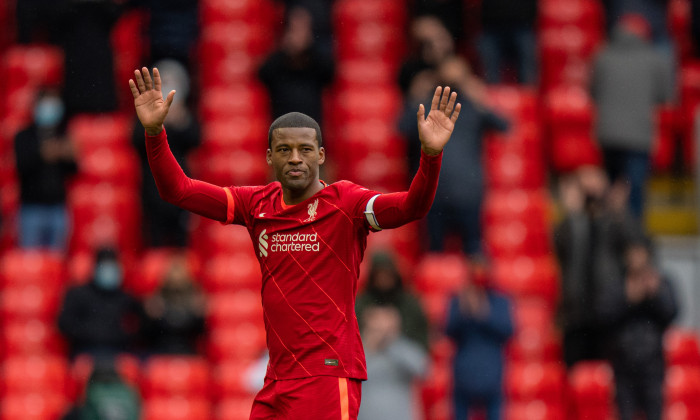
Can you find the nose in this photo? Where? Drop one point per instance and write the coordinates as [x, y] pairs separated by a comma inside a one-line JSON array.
[[295, 157]]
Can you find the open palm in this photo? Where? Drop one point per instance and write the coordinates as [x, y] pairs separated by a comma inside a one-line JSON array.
[[151, 108], [435, 130]]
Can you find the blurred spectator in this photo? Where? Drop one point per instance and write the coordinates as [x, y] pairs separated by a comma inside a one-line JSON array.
[[480, 323], [167, 225], [173, 29], [107, 396], [457, 205], [590, 243], [508, 32], [175, 314], [393, 363], [385, 287], [321, 12], [655, 12], [639, 307], [99, 318], [45, 160], [629, 80], [89, 65], [35, 21], [297, 72], [450, 13], [432, 45]]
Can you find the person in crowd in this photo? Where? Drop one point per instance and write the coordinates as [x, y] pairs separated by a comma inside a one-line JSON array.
[[45, 160], [589, 242], [639, 306], [432, 45], [175, 314], [458, 201], [385, 287], [480, 323], [450, 13], [297, 72], [655, 12], [321, 12], [508, 31], [393, 363], [35, 23], [168, 225], [629, 80], [86, 27], [99, 318], [173, 28]]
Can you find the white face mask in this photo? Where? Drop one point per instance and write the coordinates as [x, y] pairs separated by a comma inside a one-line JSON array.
[[48, 112], [108, 275]]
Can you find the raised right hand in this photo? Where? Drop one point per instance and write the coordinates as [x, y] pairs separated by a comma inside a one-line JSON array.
[[151, 109]]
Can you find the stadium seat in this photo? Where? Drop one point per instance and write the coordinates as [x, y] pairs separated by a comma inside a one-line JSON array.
[[370, 40], [587, 15], [261, 12], [237, 132], [116, 166], [27, 337], [353, 13], [20, 267], [517, 104], [373, 71], [222, 68], [535, 410], [566, 57], [232, 167], [146, 276], [230, 308], [682, 348], [441, 273], [356, 104], [532, 344], [508, 166], [435, 305], [535, 381], [592, 384], [231, 272], [177, 408], [219, 40], [91, 132], [682, 385], [30, 374], [664, 143], [32, 66], [31, 301], [234, 408], [679, 24], [128, 367], [681, 411], [238, 102], [517, 238], [128, 55], [229, 379], [167, 376], [33, 405], [516, 204], [532, 313], [528, 277], [243, 341]]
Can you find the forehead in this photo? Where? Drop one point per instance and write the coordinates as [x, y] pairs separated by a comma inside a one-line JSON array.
[[294, 135]]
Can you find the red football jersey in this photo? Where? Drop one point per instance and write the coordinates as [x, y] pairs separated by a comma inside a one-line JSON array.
[[309, 256]]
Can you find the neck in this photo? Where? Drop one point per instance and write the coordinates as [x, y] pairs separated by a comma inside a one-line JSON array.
[[293, 197]]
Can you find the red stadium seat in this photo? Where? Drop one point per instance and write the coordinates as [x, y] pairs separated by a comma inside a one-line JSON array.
[[234, 408], [535, 410], [32, 406], [221, 39], [566, 56], [682, 347], [528, 277], [533, 313], [682, 385], [118, 166], [127, 366], [152, 267], [505, 205], [231, 308], [585, 14], [665, 138], [231, 167], [241, 101], [92, 132], [515, 103], [681, 411], [30, 374], [28, 267], [32, 66], [535, 344], [370, 40], [373, 71], [441, 273], [236, 133], [261, 12], [244, 341], [349, 12], [356, 104], [30, 337], [231, 272], [510, 166], [592, 384], [229, 379], [435, 306], [32, 301], [177, 408], [679, 23], [535, 381], [517, 238], [166, 376], [128, 55]]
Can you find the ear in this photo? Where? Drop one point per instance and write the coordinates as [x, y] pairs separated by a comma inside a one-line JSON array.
[[269, 157], [321, 155]]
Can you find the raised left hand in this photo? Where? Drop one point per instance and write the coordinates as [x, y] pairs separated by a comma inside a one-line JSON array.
[[435, 130]]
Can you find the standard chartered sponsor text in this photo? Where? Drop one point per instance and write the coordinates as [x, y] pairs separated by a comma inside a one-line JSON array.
[[284, 242]]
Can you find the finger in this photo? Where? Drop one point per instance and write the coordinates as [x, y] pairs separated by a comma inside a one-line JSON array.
[[455, 114], [139, 81], [436, 98], [451, 103], [169, 99], [445, 96], [134, 89], [147, 78], [421, 113], [156, 80]]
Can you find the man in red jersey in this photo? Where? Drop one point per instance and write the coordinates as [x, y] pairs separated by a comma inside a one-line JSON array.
[[309, 238]]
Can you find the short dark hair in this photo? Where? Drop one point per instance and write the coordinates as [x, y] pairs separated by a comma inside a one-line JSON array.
[[295, 120]]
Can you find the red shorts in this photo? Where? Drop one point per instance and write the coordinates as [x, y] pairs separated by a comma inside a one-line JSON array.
[[318, 398]]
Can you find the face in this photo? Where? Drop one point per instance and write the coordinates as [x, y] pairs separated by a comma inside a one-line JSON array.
[[295, 157]]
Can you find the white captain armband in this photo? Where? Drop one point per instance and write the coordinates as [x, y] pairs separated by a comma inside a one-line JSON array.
[[369, 214]]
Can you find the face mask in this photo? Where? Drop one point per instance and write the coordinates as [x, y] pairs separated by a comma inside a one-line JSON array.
[[108, 276], [48, 112]]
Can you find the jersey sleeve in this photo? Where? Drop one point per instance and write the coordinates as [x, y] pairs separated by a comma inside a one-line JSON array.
[[241, 204]]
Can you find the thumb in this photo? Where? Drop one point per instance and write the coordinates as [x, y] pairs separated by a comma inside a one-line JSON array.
[[169, 99], [421, 113]]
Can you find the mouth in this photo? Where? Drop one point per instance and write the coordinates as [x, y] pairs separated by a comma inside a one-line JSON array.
[[295, 173]]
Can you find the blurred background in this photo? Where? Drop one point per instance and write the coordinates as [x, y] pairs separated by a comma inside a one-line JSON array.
[[556, 276]]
